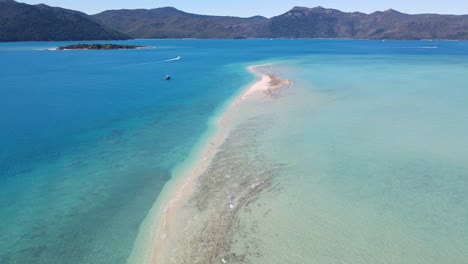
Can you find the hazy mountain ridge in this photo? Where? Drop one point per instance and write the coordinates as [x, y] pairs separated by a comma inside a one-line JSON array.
[[22, 22], [168, 22], [329, 23], [299, 22]]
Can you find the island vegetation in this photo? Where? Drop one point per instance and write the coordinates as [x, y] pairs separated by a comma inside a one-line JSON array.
[[98, 47]]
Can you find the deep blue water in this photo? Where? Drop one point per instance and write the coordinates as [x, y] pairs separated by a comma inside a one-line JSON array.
[[88, 138]]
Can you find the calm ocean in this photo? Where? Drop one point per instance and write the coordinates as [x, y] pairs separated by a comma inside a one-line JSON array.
[[372, 140]]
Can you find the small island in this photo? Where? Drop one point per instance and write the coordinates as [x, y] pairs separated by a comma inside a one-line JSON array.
[[98, 47]]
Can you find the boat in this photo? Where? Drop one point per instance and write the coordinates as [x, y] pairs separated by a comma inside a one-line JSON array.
[[167, 77]]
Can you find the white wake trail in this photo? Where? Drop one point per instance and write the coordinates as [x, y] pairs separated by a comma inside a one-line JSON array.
[[174, 59], [153, 62]]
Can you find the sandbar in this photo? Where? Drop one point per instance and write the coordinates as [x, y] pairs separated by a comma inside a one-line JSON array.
[[265, 85]]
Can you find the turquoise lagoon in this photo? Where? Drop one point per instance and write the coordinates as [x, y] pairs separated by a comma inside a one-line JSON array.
[[366, 155]]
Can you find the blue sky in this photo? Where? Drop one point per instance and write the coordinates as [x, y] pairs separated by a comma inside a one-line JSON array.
[[266, 8]]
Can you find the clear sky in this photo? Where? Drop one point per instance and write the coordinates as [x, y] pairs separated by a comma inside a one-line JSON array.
[[266, 8]]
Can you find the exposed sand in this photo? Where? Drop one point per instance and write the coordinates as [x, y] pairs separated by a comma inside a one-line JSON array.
[[267, 83], [167, 231]]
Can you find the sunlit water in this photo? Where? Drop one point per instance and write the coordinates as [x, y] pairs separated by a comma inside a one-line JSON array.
[[363, 160]]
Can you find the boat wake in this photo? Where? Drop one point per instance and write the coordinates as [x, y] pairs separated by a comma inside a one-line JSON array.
[[153, 62], [421, 47], [173, 59]]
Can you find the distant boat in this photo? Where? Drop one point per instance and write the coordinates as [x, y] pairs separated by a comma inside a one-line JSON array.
[[167, 77]]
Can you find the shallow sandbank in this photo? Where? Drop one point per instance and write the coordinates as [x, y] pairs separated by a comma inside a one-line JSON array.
[[169, 228]]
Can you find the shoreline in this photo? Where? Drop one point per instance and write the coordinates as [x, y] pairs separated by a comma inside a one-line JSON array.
[[163, 215]]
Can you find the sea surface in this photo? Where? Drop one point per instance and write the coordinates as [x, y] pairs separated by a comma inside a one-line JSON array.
[[363, 160]]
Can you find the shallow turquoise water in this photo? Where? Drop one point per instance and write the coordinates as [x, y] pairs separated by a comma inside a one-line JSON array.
[[376, 133], [375, 155]]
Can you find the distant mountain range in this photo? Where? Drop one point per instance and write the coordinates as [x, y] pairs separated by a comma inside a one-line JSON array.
[[22, 22], [168, 22], [319, 22]]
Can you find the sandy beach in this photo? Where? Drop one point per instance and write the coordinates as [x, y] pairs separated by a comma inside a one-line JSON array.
[[167, 230], [267, 83]]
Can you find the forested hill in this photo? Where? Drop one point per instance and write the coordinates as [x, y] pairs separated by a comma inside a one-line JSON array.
[[302, 22], [168, 22], [23, 22], [299, 22]]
